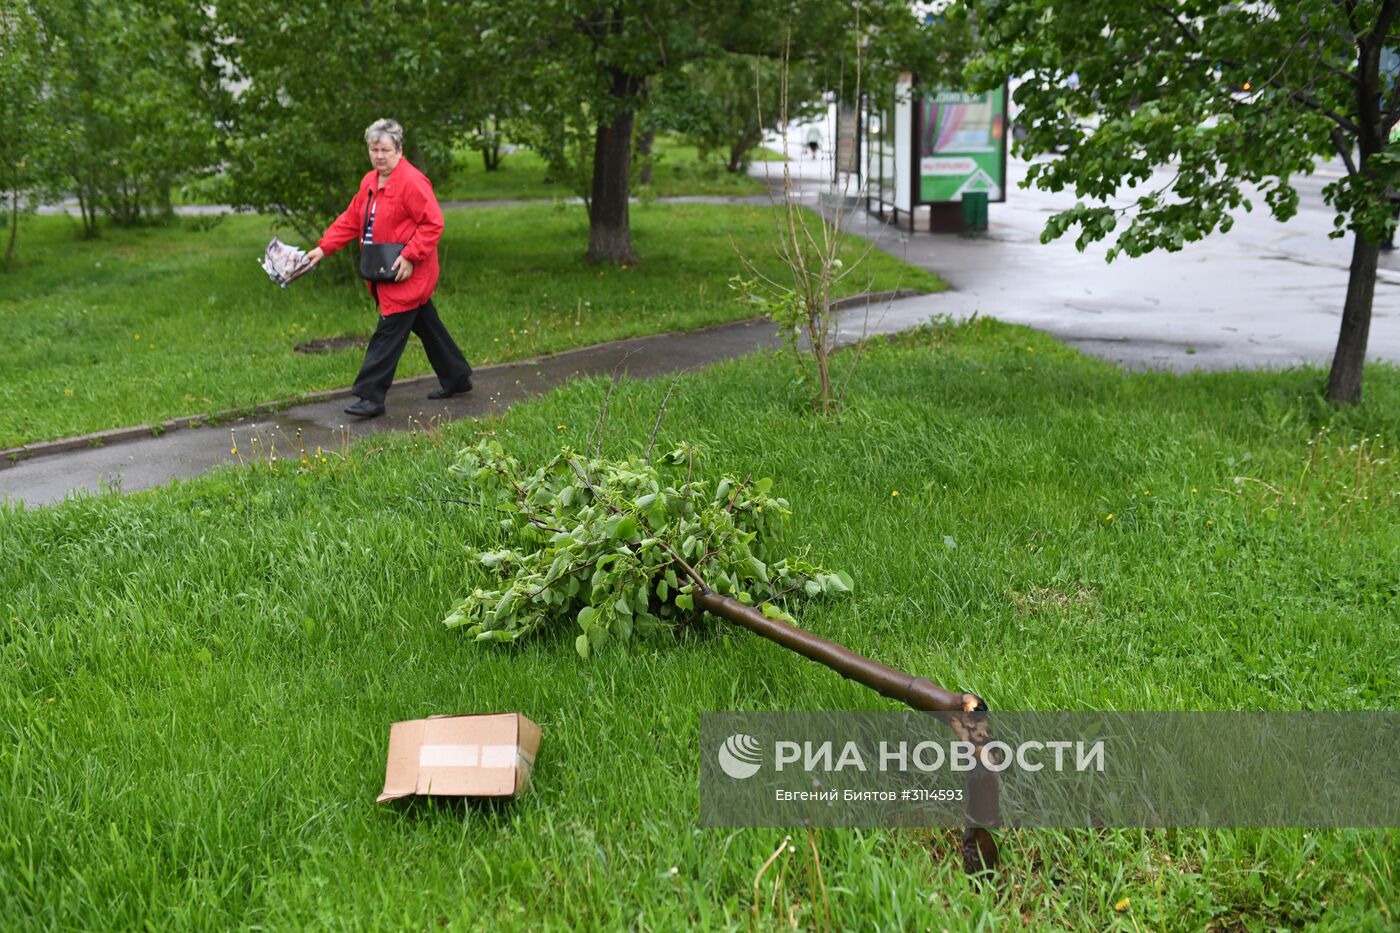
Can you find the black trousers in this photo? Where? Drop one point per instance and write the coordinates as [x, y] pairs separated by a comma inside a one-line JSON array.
[[386, 346]]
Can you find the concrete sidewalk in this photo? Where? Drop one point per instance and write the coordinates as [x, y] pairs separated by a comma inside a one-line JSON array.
[[135, 463]]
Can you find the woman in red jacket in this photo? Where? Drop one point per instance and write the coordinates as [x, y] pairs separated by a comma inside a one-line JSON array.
[[395, 204]]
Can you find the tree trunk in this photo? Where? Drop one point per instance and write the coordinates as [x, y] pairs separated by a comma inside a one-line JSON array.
[[740, 148], [979, 849], [491, 145], [736, 159], [1344, 381], [644, 144], [14, 229], [609, 231], [88, 211]]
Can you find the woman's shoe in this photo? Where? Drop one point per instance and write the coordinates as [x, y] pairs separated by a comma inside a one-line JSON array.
[[448, 393], [364, 408]]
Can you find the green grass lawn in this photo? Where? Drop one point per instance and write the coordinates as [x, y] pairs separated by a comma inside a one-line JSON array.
[[679, 170], [199, 680], [148, 324]]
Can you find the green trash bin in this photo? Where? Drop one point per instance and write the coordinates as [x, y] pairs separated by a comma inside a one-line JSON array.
[[974, 211]]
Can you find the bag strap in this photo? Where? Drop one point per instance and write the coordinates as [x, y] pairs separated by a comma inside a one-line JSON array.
[[369, 200]]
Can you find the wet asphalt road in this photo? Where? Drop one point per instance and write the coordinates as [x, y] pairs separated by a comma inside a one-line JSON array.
[[1265, 294]]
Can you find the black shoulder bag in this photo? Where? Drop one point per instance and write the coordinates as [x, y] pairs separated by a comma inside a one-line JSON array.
[[377, 259]]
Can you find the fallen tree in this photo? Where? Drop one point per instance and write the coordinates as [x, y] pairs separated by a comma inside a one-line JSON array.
[[621, 550]]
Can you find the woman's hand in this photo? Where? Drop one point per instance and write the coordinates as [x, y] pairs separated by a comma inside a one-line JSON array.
[[402, 268], [315, 256]]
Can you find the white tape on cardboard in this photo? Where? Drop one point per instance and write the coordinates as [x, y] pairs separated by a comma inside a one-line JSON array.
[[448, 756], [468, 756], [499, 756]]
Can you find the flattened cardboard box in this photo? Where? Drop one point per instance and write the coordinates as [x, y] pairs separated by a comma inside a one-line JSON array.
[[484, 755]]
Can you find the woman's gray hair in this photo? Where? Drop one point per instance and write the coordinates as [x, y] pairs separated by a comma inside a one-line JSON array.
[[381, 128]]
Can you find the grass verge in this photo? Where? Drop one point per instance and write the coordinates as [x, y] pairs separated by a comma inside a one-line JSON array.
[[149, 324], [199, 679]]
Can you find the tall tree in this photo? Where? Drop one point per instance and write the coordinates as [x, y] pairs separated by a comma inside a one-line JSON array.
[[1227, 95], [309, 77], [124, 94], [602, 54], [727, 103], [24, 122]]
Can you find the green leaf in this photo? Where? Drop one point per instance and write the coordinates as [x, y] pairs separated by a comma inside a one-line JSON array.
[[773, 612], [495, 560], [619, 575], [626, 528]]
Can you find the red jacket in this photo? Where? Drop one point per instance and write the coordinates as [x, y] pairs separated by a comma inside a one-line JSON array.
[[406, 211]]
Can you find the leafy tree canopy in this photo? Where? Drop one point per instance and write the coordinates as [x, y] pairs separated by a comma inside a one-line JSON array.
[[122, 86], [309, 77], [1232, 97], [569, 57]]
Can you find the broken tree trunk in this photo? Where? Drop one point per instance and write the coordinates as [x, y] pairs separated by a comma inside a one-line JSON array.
[[969, 722]]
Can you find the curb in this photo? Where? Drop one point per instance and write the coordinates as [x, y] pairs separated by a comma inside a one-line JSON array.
[[13, 455]]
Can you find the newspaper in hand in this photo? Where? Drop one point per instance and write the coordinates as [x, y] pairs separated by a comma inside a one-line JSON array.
[[284, 264]]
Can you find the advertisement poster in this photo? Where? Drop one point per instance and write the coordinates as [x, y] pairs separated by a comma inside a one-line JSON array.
[[962, 145]]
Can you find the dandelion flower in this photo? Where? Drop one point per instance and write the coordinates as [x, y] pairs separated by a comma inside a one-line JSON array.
[[894, 493], [1122, 905], [1108, 517]]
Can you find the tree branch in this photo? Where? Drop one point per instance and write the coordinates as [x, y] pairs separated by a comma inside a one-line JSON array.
[[662, 410], [1343, 147], [1186, 31], [1342, 122]]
